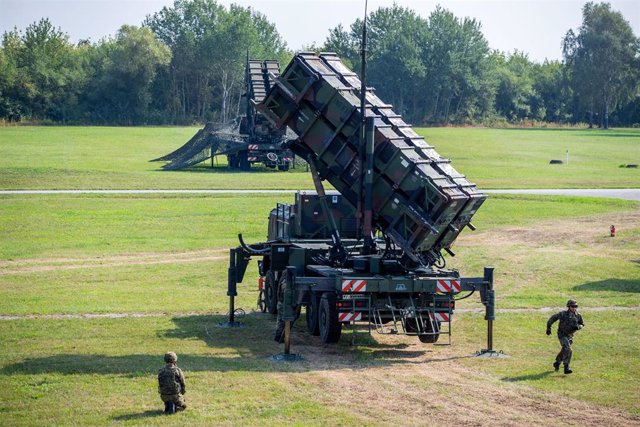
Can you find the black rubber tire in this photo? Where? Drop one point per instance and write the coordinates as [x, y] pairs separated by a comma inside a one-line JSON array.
[[232, 161], [313, 308], [283, 167], [330, 328], [271, 292]]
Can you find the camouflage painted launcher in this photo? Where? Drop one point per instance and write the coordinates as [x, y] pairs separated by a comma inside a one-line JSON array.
[[420, 200]]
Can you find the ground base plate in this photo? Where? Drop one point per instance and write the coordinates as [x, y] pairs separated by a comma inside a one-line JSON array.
[[490, 353], [283, 357], [230, 325]]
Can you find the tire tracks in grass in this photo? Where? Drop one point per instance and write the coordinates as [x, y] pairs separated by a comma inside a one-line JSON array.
[[89, 316], [426, 387], [25, 266]]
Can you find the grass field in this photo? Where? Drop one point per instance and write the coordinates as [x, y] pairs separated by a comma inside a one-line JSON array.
[[95, 288], [118, 158]]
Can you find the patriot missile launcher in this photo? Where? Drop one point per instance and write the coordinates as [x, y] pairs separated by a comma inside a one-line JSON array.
[[372, 251]]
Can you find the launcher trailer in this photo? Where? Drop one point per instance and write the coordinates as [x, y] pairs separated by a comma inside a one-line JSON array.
[[371, 251]]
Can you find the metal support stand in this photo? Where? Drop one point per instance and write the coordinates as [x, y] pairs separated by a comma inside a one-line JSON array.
[[231, 292], [489, 301], [287, 356]]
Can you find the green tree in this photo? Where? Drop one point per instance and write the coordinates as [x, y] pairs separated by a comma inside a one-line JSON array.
[[125, 69], [604, 59], [10, 106], [551, 85], [459, 78], [40, 73], [436, 70], [209, 45], [516, 98], [395, 39]]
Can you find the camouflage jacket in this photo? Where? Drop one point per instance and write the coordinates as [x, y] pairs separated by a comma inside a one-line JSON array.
[[568, 322], [170, 380]]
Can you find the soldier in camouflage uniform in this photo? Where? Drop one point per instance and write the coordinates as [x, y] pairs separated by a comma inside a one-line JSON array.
[[171, 385], [570, 321]]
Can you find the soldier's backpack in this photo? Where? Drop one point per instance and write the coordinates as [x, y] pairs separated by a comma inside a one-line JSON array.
[[167, 383]]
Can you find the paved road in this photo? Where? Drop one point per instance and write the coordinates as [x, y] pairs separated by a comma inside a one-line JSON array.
[[620, 193], [626, 193]]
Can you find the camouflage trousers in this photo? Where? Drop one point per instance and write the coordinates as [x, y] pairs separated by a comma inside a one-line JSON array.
[[566, 352], [178, 399]]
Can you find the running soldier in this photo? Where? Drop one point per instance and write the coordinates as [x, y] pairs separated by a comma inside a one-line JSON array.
[[570, 321], [171, 385]]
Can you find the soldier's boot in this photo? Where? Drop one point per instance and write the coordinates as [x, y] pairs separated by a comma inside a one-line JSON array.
[[169, 408], [567, 370], [556, 365]]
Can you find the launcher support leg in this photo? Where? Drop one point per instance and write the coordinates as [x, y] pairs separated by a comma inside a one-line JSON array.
[[287, 337], [232, 309], [490, 335], [289, 317], [489, 301], [490, 311], [232, 286]]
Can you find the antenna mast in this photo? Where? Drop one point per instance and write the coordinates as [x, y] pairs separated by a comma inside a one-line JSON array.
[[366, 151]]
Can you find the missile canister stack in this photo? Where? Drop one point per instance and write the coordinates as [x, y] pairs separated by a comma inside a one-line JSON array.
[[419, 199]]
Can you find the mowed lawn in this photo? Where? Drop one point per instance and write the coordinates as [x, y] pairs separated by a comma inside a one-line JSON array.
[[95, 288], [161, 262], [118, 158]]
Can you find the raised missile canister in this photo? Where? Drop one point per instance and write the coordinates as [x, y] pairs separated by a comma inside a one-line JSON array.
[[419, 199]]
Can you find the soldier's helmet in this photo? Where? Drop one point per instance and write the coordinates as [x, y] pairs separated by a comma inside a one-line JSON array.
[[572, 303], [170, 357]]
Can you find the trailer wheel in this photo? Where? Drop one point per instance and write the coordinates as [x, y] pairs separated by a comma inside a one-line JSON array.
[[232, 161], [328, 324], [271, 292], [313, 308], [243, 161]]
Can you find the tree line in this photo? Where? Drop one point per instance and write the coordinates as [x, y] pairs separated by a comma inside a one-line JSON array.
[[185, 64]]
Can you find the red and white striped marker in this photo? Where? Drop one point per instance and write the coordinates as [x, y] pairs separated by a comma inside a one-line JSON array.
[[349, 316], [355, 285], [253, 146], [441, 317], [448, 286]]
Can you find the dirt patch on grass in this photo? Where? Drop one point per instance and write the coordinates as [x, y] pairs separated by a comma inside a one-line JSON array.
[[587, 231], [422, 386], [123, 260]]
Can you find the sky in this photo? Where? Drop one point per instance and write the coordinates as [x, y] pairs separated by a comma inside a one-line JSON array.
[[535, 27]]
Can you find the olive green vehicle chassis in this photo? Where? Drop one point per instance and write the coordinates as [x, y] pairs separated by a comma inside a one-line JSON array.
[[414, 303]]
